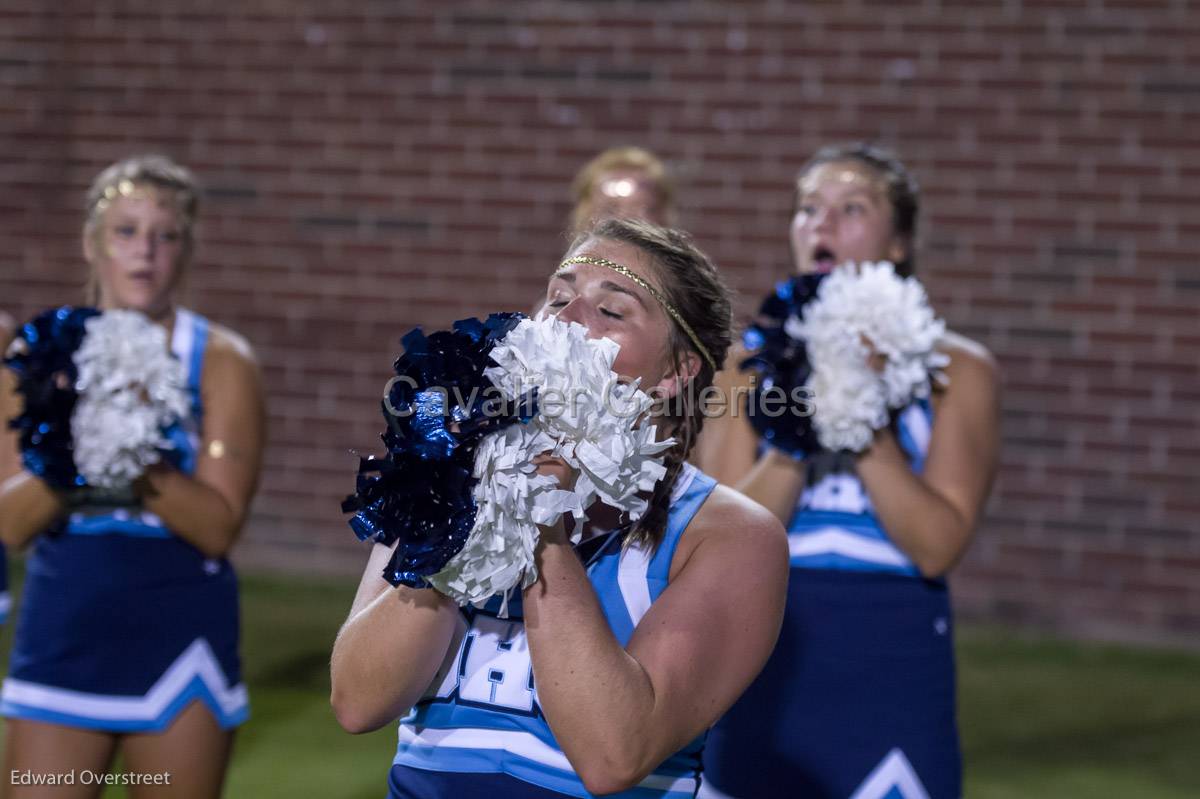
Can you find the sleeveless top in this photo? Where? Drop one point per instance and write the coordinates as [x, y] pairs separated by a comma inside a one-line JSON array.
[[189, 341], [483, 716], [834, 525]]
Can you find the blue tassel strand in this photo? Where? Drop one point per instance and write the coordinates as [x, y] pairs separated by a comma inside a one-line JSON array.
[[437, 409], [781, 365], [41, 358]]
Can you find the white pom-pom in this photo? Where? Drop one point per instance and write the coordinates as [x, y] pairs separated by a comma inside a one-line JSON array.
[[130, 388], [859, 311], [584, 417]]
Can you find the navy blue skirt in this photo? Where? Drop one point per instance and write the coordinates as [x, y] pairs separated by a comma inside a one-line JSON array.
[[858, 695], [121, 633]]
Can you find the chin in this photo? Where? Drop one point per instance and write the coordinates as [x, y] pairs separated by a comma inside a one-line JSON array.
[[150, 306]]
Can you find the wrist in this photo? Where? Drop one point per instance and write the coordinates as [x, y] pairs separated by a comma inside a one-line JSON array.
[[91, 495], [778, 458]]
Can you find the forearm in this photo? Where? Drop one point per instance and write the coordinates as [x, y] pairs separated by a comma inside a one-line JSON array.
[[775, 482], [727, 447], [28, 506], [917, 518], [597, 698], [192, 510], [387, 654]]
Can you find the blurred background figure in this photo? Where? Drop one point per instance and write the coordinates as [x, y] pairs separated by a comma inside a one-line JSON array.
[[7, 327], [619, 183], [127, 637], [863, 675], [622, 183]]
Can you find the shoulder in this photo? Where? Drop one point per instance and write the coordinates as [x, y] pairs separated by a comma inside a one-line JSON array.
[[226, 343], [731, 522], [970, 361], [229, 357]]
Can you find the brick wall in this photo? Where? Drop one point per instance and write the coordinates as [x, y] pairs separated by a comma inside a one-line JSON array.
[[375, 165]]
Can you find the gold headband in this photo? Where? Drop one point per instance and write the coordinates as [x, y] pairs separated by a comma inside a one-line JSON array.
[[629, 273], [127, 188]]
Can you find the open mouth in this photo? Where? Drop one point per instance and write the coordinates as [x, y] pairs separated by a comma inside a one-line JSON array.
[[824, 259]]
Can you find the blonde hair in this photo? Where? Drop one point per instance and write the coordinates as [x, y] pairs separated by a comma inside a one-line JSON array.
[[157, 171], [634, 159]]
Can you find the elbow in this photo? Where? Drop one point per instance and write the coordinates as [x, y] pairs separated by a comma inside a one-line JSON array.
[[11, 537], [604, 771], [931, 568], [221, 542], [354, 716], [609, 778], [936, 563], [215, 551], [358, 708]]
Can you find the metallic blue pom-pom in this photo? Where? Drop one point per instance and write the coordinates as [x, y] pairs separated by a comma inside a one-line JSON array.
[[41, 357], [437, 408], [782, 367]]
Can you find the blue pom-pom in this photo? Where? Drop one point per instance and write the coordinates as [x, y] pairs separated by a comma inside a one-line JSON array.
[[437, 408], [782, 367], [41, 356]]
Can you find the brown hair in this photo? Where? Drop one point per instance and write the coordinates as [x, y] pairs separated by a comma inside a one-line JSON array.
[[691, 283], [903, 193], [634, 159], [157, 171]]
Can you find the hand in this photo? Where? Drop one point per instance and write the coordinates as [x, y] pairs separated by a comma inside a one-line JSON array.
[[108, 497], [885, 448], [557, 468], [875, 359]]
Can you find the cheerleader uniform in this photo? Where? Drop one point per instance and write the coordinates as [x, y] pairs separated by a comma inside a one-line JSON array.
[[122, 624], [857, 700], [482, 732]]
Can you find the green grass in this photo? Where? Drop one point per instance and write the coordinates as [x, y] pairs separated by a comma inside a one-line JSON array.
[[292, 746], [1060, 719], [1039, 718]]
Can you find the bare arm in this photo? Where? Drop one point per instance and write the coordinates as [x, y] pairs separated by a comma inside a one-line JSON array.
[[28, 505], [208, 508], [390, 648], [932, 516], [10, 406], [726, 449], [775, 482], [618, 713]]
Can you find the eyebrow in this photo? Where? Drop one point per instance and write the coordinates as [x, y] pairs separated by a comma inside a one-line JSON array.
[[854, 192], [607, 285]]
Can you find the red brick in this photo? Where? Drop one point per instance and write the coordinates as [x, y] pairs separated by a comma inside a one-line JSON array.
[[376, 166]]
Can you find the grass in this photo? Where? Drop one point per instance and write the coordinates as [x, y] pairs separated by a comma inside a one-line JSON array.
[[1039, 717], [1061, 719]]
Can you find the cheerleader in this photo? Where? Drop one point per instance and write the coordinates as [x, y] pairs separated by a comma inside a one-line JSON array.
[[602, 676], [6, 334], [622, 183], [127, 636], [858, 696]]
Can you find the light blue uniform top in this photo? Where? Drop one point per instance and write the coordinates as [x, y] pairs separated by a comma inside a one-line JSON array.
[[484, 716], [189, 341], [835, 526]]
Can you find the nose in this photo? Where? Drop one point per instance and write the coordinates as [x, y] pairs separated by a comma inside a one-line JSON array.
[[825, 218], [577, 310], [149, 244]]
